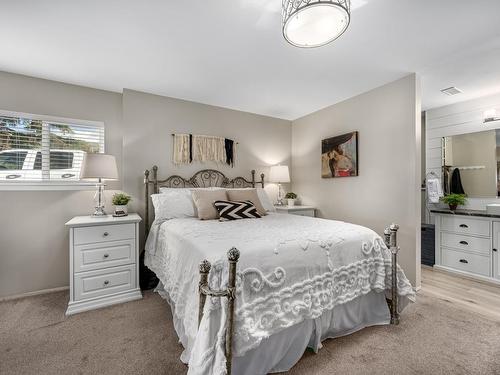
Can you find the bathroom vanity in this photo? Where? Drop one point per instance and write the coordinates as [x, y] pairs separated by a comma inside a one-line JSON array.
[[467, 243]]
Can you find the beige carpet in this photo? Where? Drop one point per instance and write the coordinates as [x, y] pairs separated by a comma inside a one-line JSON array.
[[138, 338]]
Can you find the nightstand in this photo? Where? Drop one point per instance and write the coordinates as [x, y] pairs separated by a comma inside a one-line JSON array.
[[103, 261], [296, 210]]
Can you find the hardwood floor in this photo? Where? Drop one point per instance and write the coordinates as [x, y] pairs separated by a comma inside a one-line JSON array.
[[473, 296]]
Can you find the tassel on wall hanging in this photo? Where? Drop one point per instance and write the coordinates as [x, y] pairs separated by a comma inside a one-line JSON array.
[[203, 148]]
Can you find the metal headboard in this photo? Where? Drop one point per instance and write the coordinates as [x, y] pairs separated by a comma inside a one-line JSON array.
[[201, 179]]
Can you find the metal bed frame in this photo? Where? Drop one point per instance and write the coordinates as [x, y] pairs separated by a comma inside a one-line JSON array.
[[215, 178]]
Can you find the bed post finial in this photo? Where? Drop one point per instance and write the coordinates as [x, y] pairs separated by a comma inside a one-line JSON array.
[[204, 271], [232, 255], [390, 235], [262, 180], [155, 179], [253, 177], [146, 210]]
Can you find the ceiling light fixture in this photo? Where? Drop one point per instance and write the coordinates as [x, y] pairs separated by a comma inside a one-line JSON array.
[[314, 23]]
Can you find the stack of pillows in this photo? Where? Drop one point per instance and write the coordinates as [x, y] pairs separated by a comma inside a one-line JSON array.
[[211, 203]]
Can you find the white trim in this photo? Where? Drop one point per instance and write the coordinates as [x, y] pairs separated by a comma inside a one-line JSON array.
[[75, 307], [468, 275], [35, 293], [46, 185], [52, 119]]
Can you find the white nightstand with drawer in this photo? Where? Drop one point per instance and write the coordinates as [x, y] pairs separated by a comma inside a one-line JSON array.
[[103, 261], [296, 210]]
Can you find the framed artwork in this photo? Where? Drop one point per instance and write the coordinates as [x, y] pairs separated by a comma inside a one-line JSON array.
[[339, 156]]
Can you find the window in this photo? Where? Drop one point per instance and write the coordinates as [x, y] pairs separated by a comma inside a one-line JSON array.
[[41, 149]]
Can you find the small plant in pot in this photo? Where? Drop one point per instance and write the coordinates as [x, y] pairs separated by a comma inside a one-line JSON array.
[[120, 201], [290, 197], [454, 200]]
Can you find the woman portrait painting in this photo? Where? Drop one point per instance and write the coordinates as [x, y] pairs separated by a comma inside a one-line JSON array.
[[339, 156]]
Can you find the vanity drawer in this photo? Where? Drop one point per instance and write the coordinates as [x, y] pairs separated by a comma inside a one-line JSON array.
[[103, 233], [465, 225], [102, 282], [104, 254], [468, 262], [466, 243]]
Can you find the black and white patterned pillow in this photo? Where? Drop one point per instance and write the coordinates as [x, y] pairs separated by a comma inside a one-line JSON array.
[[234, 210]]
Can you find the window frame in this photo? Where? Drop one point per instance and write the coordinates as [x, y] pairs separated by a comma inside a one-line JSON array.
[[24, 185]]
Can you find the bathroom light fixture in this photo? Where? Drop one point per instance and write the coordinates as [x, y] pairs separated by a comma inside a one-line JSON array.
[[314, 23], [490, 116]]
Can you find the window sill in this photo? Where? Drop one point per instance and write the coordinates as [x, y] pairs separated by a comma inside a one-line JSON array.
[[47, 186]]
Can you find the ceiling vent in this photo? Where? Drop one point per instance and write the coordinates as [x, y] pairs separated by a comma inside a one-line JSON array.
[[451, 91]]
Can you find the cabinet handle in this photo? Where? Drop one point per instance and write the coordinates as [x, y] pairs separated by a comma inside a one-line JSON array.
[[463, 261], [464, 243], [463, 226], [105, 234], [495, 250], [106, 282], [106, 255]]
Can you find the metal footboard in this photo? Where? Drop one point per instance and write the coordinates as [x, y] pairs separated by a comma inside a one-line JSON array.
[[232, 255], [390, 237]]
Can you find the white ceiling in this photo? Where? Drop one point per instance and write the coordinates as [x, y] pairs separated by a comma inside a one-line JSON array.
[[231, 53]]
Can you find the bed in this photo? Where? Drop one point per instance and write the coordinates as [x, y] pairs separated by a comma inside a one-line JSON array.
[[249, 296]]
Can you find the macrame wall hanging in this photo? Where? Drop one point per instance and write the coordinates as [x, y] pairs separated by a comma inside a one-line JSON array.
[[188, 148]]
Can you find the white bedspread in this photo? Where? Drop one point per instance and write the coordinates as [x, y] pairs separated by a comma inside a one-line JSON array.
[[291, 268]]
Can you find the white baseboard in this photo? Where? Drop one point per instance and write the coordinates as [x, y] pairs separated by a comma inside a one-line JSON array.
[[96, 303], [35, 293], [467, 275]]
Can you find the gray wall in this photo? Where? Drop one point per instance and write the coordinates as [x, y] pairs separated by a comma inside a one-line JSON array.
[[33, 239], [149, 120], [388, 186]]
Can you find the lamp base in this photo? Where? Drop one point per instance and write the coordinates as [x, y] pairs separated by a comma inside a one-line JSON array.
[[99, 212], [280, 201], [98, 201]]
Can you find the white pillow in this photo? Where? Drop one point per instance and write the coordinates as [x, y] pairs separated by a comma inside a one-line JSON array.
[[176, 203], [265, 200]]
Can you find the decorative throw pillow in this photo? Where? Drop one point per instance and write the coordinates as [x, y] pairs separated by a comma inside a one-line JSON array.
[[234, 210], [204, 202], [251, 195]]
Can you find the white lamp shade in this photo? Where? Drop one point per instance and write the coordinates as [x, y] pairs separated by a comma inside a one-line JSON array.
[[279, 173], [100, 166]]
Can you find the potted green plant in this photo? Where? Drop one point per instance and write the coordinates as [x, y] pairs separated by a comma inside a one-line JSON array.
[[290, 197], [120, 201], [454, 200]]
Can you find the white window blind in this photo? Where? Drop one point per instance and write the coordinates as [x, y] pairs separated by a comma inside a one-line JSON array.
[[35, 148]]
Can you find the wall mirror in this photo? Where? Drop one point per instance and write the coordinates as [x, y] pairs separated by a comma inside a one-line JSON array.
[[471, 164]]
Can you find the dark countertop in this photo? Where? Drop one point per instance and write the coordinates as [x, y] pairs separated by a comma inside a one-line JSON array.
[[464, 212]]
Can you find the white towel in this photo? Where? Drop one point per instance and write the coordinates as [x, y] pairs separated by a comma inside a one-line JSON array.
[[434, 190]]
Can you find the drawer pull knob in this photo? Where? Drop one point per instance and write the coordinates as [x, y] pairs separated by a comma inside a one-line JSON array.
[[463, 261], [464, 243], [106, 255], [495, 250], [463, 226], [105, 234], [106, 282]]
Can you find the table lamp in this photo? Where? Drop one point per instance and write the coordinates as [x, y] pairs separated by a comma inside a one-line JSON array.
[[279, 174], [100, 167]]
